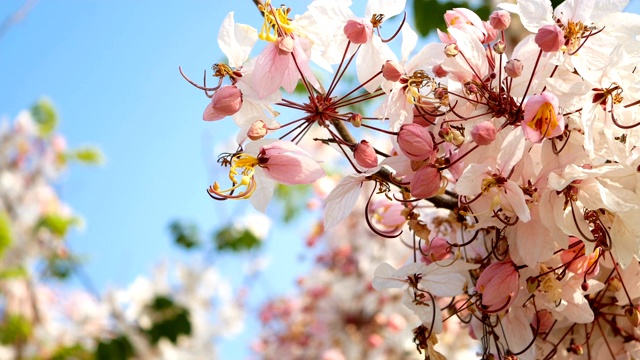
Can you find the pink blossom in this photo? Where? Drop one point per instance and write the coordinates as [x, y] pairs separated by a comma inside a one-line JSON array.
[[498, 284], [365, 155], [550, 38], [225, 102], [415, 142], [426, 182], [288, 164], [358, 31], [514, 68], [392, 70], [542, 118]]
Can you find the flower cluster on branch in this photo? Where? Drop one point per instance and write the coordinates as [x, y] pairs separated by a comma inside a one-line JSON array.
[[512, 172]]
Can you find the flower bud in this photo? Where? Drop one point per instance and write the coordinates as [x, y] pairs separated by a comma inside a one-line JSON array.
[[225, 102], [358, 31], [500, 19], [550, 38], [356, 120], [633, 315], [498, 284], [415, 142], [491, 33], [514, 68], [499, 47], [484, 133], [543, 320], [365, 155], [392, 70], [451, 50], [257, 130], [425, 183]]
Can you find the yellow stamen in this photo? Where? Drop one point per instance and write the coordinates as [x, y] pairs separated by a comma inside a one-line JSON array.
[[242, 165], [276, 22], [545, 120]]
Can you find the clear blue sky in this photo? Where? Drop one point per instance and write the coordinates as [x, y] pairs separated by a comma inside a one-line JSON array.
[[111, 69]]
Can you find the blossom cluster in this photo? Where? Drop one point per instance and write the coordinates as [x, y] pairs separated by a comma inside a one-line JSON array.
[[511, 171]]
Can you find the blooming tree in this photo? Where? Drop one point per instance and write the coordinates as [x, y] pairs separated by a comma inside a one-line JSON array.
[[510, 172]]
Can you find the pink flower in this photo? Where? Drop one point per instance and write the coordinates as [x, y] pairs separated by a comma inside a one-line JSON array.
[[498, 284], [541, 117], [225, 102], [288, 164], [550, 38], [358, 31], [365, 155], [415, 142]]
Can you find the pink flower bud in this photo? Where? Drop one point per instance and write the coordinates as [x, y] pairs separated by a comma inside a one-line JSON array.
[[498, 284], [438, 249], [355, 120], [392, 70], [285, 45], [425, 183], [543, 320], [514, 68], [358, 31], [500, 20], [415, 142], [484, 133], [550, 38], [289, 164], [491, 33], [257, 130], [375, 340], [365, 155], [225, 102]]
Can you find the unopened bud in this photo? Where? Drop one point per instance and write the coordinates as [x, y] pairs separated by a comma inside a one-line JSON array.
[[499, 47], [633, 315], [365, 155], [514, 68], [392, 70], [451, 50], [452, 136], [358, 31], [257, 130], [550, 38], [356, 120], [225, 102], [584, 286], [500, 19], [484, 133], [415, 142]]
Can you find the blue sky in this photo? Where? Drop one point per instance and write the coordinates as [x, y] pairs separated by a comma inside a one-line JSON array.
[[111, 69]]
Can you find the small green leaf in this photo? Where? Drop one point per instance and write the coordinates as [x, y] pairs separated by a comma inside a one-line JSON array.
[[45, 116], [75, 352], [233, 239], [87, 155], [58, 225], [15, 329], [185, 235], [16, 272], [170, 320], [5, 233], [61, 267], [117, 348]]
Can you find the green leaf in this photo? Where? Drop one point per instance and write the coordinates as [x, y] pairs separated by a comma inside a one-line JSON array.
[[15, 329], [15, 272], [170, 320], [293, 199], [87, 155], [5, 233], [61, 267], [236, 240], [118, 348], [45, 116], [58, 225], [75, 352], [185, 235]]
